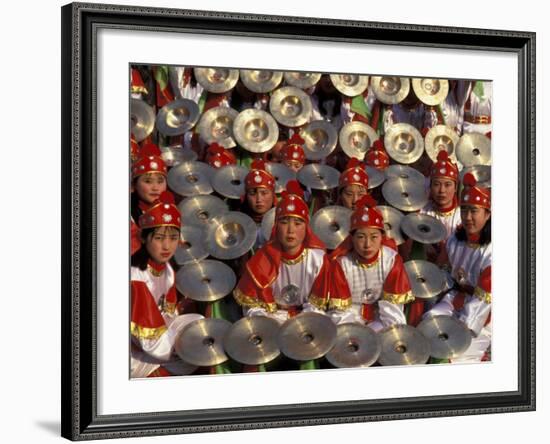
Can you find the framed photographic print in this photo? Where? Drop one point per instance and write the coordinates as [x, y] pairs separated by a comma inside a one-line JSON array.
[[276, 221]]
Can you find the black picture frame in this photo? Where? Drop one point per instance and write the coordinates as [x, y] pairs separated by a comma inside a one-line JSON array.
[[79, 208]]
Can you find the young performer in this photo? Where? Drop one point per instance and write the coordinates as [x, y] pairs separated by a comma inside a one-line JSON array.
[[353, 184], [287, 274], [155, 322], [368, 282], [293, 155]]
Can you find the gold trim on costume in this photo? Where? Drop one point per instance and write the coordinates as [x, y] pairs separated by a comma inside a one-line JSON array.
[[318, 301], [362, 264], [339, 303], [256, 282], [297, 260], [139, 90], [146, 332], [251, 302], [482, 295], [155, 272], [170, 307], [402, 298]]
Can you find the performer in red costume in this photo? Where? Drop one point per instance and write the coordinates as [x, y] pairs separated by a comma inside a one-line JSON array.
[[217, 156], [286, 275], [155, 322], [377, 157], [353, 184], [368, 282], [293, 155]]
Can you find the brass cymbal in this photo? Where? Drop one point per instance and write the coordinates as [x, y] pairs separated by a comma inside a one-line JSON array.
[[356, 138], [205, 281], [191, 248], [431, 91], [350, 85], [356, 346], [448, 337], [255, 130], [302, 80], [404, 143], [281, 173], [441, 138], [404, 172], [191, 178], [201, 342], [427, 279], [290, 106], [318, 176], [216, 125], [177, 117], [390, 90], [142, 119], [268, 220], [376, 177], [332, 224], [261, 81], [307, 336], [423, 228], [230, 235], [392, 223], [229, 181], [482, 174], [320, 139], [403, 345], [474, 149], [217, 80], [175, 154], [404, 194], [253, 340], [200, 210]]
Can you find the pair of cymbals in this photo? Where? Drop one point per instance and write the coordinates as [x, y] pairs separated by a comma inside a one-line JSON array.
[[217, 80], [405, 194], [281, 173], [216, 126], [205, 281], [318, 176], [302, 80], [448, 337], [404, 143], [177, 117], [332, 225], [350, 85], [290, 106], [356, 345], [482, 174], [392, 223], [255, 130], [230, 235], [320, 139], [356, 138], [403, 345], [261, 81], [441, 138], [427, 279], [200, 210], [423, 228], [175, 154], [142, 119], [474, 149], [191, 178], [191, 247], [390, 90], [431, 92], [229, 181]]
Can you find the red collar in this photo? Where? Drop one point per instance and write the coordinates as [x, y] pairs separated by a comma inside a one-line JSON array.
[[155, 266], [450, 208], [365, 261], [474, 238], [290, 257]]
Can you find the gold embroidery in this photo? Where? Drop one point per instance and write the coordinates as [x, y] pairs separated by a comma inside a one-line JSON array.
[[155, 272], [339, 304], [251, 302], [297, 260], [139, 89], [170, 307], [402, 298], [482, 295], [317, 301], [145, 332]]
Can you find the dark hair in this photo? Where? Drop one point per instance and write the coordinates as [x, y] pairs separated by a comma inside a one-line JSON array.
[[484, 237], [141, 257], [135, 211]]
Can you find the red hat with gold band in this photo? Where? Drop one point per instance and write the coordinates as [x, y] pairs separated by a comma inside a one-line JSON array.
[[217, 156], [138, 87], [259, 177], [292, 202], [377, 157], [474, 196], [163, 213], [354, 174], [293, 150], [149, 161], [366, 215], [444, 167]]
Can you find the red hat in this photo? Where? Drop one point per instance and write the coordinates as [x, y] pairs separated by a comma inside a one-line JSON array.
[[134, 149], [138, 87], [259, 177], [354, 174], [293, 150], [217, 156], [149, 161], [366, 215], [377, 157], [473, 195], [292, 202], [444, 168], [163, 213]]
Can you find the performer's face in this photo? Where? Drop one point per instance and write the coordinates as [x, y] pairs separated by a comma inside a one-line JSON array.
[[291, 232], [149, 187], [259, 199], [351, 194], [367, 242], [161, 244], [442, 192], [474, 218], [294, 165]]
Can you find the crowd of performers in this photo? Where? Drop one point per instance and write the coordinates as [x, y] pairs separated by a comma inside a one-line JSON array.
[[362, 280]]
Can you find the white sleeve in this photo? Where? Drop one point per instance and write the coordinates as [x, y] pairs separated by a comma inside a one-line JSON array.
[[444, 307], [475, 314], [391, 314]]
